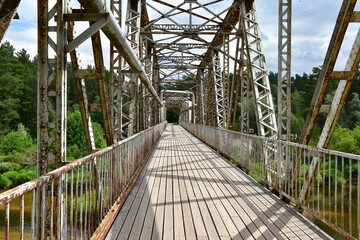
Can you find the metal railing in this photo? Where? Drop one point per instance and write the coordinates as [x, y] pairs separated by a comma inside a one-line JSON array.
[[74, 201], [334, 195]]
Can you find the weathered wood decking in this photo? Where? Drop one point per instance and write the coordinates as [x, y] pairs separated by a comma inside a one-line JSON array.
[[188, 191]]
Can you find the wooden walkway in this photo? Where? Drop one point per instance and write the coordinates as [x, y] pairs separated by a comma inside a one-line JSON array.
[[188, 191]]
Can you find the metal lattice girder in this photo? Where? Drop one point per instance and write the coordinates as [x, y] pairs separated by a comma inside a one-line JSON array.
[[114, 33], [244, 74], [345, 78], [284, 70], [179, 58], [51, 88], [130, 77], [181, 46], [101, 79], [81, 92], [97, 73], [226, 76], [179, 67], [264, 107], [219, 101], [116, 80], [7, 13]]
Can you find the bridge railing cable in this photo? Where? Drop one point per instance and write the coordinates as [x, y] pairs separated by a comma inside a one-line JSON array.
[[334, 193], [96, 187]]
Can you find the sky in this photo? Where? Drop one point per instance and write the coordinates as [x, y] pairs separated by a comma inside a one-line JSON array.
[[313, 24]]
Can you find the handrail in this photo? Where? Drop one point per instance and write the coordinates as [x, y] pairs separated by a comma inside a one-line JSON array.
[[94, 184]]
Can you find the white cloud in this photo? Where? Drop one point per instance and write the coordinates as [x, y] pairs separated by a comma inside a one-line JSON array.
[[313, 23]]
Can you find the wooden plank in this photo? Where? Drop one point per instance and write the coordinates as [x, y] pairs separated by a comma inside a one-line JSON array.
[[185, 205], [169, 211], [157, 232], [125, 231], [203, 199], [150, 213], [142, 210], [207, 193], [179, 231], [195, 211], [286, 230], [301, 232], [118, 223], [253, 205], [240, 210], [231, 218]]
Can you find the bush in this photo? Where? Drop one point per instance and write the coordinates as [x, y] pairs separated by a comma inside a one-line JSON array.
[[9, 166], [15, 142], [346, 140], [12, 179], [76, 142], [5, 183], [23, 177], [10, 175], [14, 158]]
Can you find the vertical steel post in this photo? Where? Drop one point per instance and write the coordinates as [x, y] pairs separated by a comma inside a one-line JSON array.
[[116, 78], [284, 79], [42, 104], [284, 70]]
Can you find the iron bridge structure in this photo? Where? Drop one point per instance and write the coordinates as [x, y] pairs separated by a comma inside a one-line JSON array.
[[204, 57]]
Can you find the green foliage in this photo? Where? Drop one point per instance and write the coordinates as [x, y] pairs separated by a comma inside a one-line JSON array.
[[24, 176], [12, 179], [172, 115], [18, 77], [14, 158], [8, 166], [346, 140], [76, 142], [297, 117], [15, 142], [5, 183]]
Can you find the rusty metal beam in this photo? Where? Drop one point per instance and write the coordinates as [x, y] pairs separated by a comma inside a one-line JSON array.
[[327, 73], [116, 36], [8, 11], [104, 98], [81, 93], [342, 23]]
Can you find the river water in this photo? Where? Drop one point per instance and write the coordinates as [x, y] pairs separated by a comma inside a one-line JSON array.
[[15, 217]]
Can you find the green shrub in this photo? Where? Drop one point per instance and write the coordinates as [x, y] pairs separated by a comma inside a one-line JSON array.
[[5, 183], [76, 139], [15, 142], [9, 166], [10, 175], [14, 158], [24, 176]]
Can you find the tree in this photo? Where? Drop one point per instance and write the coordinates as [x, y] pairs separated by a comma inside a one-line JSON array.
[[297, 117], [76, 142], [16, 141], [172, 115], [346, 140], [351, 112]]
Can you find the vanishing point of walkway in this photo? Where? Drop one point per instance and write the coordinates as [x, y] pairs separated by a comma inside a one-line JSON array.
[[188, 191]]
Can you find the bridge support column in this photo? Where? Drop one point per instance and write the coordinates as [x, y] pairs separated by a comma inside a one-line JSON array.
[[52, 87]]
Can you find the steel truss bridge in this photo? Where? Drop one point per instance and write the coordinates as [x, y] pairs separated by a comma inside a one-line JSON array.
[[205, 57]]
